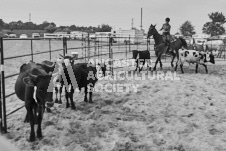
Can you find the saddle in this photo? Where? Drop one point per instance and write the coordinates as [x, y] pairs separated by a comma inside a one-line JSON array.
[[169, 38]]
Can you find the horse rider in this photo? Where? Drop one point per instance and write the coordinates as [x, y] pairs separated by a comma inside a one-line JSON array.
[[166, 32]]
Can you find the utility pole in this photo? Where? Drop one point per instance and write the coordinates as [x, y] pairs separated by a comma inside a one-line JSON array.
[[29, 17], [132, 23], [141, 19]]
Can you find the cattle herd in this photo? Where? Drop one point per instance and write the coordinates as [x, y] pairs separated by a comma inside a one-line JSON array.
[[41, 78]]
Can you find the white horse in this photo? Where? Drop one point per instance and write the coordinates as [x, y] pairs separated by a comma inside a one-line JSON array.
[[218, 46]]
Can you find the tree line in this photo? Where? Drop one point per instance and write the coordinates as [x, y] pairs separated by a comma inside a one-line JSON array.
[[51, 27], [213, 27]]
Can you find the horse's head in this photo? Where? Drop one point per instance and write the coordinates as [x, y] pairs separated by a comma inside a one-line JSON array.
[[151, 30]]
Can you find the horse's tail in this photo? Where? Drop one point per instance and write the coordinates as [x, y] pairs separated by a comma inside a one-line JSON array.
[[184, 43]]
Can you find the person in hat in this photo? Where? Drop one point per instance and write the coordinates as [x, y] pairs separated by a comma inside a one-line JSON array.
[[166, 32]]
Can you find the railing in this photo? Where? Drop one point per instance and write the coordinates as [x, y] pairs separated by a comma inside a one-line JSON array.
[[3, 95], [88, 48]]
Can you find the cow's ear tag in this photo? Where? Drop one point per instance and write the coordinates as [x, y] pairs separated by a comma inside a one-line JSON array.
[[28, 81]]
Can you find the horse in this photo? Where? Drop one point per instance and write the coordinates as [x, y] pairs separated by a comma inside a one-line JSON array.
[[161, 48], [143, 57]]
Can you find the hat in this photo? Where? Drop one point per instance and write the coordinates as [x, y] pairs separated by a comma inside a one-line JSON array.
[[167, 19]]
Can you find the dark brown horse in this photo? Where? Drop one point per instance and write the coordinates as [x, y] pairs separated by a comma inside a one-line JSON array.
[[160, 47]]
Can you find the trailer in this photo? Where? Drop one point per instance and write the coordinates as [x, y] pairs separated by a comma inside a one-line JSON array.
[[79, 35], [132, 36], [56, 35]]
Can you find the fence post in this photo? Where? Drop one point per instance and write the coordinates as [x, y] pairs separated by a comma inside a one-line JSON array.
[[126, 47], [50, 50], [84, 40], [65, 45], [82, 47], [3, 86], [224, 52], [129, 44], [95, 49], [98, 49], [88, 47], [1, 128], [148, 43], [110, 55], [32, 58]]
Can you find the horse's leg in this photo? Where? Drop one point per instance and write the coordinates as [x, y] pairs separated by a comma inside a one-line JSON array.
[[173, 55], [26, 120], [160, 63], [156, 62], [178, 59]]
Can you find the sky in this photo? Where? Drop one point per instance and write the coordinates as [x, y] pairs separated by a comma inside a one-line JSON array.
[[116, 13]]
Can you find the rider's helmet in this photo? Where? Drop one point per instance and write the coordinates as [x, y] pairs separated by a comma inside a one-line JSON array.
[[167, 19]]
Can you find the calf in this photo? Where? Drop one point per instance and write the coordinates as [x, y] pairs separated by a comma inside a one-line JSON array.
[[142, 56], [84, 74], [57, 81], [34, 75], [193, 56]]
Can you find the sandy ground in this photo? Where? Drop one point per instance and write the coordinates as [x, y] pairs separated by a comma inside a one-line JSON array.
[[176, 115], [184, 115]]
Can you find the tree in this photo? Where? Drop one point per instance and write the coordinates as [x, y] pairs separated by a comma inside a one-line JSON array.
[[1, 24], [105, 28], [50, 28], [187, 29], [215, 27], [73, 27], [30, 26], [43, 25], [20, 24]]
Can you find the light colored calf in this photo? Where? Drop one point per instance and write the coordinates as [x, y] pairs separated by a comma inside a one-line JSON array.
[[193, 56]]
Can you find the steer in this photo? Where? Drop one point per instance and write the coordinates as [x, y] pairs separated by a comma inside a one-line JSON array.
[[34, 75], [84, 74], [57, 82], [142, 56], [193, 56]]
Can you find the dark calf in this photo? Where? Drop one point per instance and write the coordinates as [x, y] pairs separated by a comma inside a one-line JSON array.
[[33, 75]]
